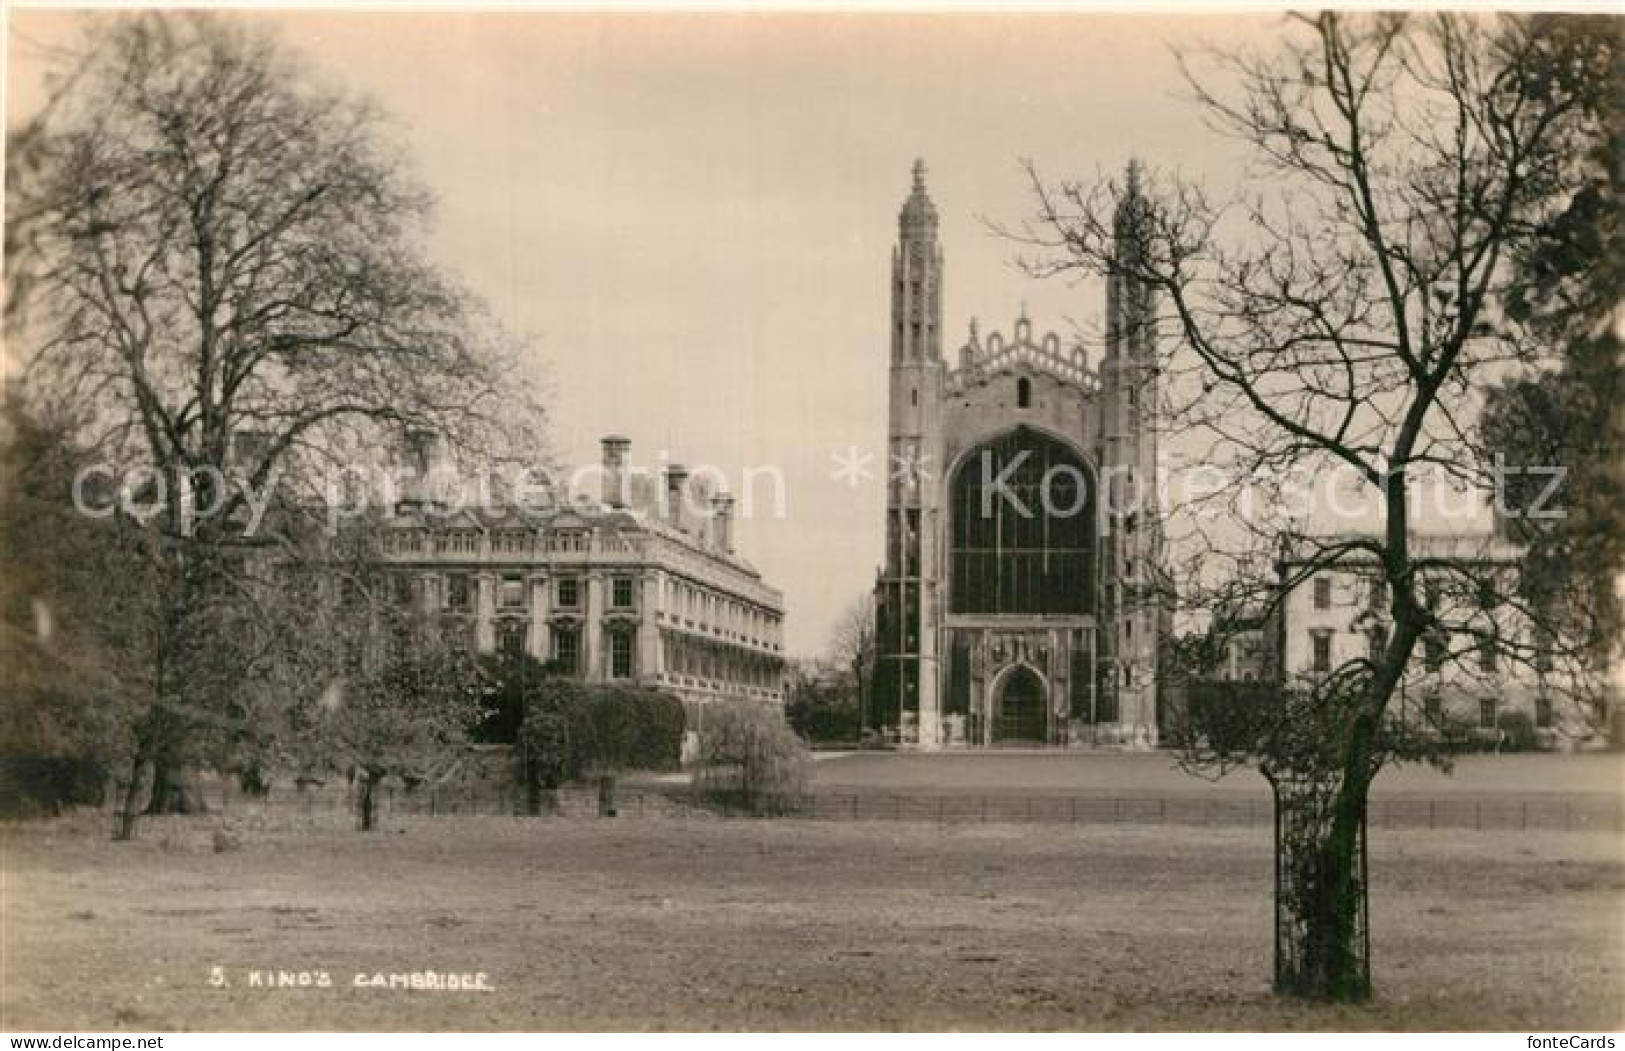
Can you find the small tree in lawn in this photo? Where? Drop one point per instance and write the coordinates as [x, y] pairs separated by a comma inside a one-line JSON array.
[[399, 719], [1345, 312], [549, 745], [749, 754]]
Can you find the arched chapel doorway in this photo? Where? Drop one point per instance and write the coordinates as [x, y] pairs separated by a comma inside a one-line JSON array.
[[1018, 714]]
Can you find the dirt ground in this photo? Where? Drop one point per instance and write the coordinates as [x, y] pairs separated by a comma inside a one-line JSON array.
[[697, 923]]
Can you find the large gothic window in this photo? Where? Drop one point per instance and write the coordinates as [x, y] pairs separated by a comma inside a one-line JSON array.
[[1023, 528]]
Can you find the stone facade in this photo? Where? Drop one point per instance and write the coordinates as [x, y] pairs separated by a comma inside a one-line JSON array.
[[640, 585], [1019, 599], [1462, 681]]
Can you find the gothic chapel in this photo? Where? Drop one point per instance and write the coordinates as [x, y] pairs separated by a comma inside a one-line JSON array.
[[1015, 605]]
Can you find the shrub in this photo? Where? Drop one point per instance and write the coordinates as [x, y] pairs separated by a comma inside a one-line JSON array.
[[631, 728], [515, 679], [823, 714], [748, 755], [32, 784], [571, 731]]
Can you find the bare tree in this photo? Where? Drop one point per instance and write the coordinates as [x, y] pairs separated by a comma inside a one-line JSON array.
[[218, 261], [1341, 315], [852, 645]]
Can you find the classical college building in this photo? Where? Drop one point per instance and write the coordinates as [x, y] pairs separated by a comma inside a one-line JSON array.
[[1486, 662], [639, 585], [1019, 600]]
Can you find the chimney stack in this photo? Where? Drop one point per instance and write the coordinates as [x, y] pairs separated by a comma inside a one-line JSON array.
[[676, 492], [722, 517], [425, 455], [614, 463]]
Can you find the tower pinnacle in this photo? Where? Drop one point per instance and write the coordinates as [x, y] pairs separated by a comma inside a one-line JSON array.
[[919, 216], [917, 278]]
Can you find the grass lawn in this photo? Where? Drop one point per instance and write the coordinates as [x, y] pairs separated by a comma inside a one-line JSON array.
[[692, 922], [993, 771]]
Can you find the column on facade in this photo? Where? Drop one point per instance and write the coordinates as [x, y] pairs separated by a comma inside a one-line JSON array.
[[930, 729], [592, 635], [485, 612], [649, 664], [538, 644], [428, 593]]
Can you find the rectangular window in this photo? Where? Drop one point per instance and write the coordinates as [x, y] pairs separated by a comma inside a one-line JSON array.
[[1543, 712], [621, 593], [1486, 713], [457, 592], [1320, 643], [513, 592], [569, 593], [401, 585], [511, 637], [620, 655], [566, 655], [1378, 594], [1323, 593]]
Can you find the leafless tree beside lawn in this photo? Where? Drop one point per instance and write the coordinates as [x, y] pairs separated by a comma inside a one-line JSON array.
[[1348, 312]]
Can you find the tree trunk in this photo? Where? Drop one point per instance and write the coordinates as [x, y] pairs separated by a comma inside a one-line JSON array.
[[533, 794], [366, 803], [253, 781], [541, 796], [124, 820], [1322, 937], [173, 790]]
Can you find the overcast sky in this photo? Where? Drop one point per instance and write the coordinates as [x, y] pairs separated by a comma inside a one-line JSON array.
[[692, 215]]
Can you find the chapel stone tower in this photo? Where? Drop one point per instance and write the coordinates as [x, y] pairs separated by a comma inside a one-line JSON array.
[[1019, 599], [909, 603], [1133, 615]]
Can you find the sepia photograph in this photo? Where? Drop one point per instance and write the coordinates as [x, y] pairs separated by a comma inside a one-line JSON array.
[[525, 518]]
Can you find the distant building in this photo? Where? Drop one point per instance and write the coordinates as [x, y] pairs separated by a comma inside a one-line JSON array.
[[1251, 646], [639, 584], [1017, 604], [1460, 682]]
